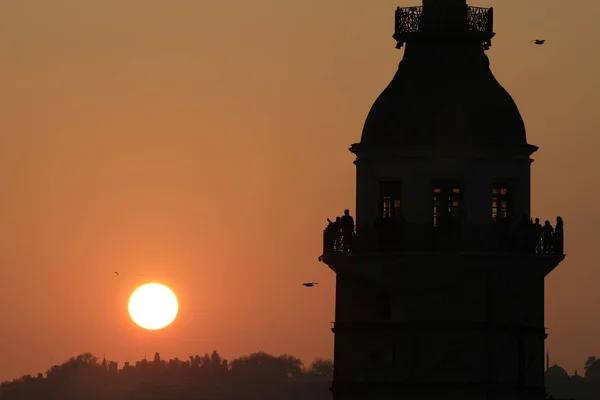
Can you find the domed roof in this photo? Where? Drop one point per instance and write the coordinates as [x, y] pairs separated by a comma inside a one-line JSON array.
[[444, 96], [556, 372]]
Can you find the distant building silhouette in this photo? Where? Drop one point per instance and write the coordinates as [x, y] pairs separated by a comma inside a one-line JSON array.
[[441, 294], [556, 372]]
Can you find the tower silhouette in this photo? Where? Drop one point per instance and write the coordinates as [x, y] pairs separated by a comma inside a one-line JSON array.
[[441, 294]]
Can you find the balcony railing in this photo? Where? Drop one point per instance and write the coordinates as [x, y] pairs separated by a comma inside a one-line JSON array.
[[411, 21], [390, 236]]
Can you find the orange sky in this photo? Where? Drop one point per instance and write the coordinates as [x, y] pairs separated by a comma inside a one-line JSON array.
[[203, 144]]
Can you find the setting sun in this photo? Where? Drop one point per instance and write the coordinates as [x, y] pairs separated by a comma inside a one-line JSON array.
[[153, 306]]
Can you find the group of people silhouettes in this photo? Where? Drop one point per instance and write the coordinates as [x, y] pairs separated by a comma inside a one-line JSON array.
[[541, 239], [339, 234], [528, 236]]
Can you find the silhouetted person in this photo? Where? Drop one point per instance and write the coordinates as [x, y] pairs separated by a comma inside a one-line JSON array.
[[329, 237], [332, 236], [336, 229], [559, 236], [538, 231], [547, 237], [347, 230]]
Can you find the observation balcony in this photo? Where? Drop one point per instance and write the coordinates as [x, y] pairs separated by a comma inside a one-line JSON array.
[[395, 236], [413, 22]]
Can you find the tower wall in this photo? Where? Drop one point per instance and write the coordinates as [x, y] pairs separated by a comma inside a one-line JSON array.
[[465, 326], [417, 177]]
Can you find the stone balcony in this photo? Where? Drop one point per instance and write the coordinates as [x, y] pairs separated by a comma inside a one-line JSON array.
[[500, 237]]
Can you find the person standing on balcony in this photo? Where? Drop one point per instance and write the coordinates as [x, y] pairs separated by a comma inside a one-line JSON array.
[[347, 228], [558, 236], [547, 238], [329, 238], [538, 231], [336, 234]]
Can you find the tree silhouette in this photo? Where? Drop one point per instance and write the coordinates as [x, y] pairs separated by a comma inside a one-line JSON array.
[[592, 368], [590, 360], [321, 367], [210, 376], [262, 366]]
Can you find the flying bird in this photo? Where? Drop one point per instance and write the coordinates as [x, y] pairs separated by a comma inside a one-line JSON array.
[[310, 284], [539, 41], [116, 273]]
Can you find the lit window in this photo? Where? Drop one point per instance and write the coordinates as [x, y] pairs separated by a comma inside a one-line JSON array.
[[499, 202], [447, 202], [397, 208], [437, 206], [387, 207], [390, 194]]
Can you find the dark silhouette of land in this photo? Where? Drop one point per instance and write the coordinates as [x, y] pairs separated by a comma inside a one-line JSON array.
[[255, 376]]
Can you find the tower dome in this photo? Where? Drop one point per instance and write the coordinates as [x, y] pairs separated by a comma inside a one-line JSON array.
[[444, 95]]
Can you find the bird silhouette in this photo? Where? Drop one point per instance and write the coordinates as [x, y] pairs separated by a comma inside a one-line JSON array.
[[116, 273], [539, 41], [310, 284]]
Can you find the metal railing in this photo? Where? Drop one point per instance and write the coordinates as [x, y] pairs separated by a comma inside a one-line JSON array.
[[411, 21], [404, 237]]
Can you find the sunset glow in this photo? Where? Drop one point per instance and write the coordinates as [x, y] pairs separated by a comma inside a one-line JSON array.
[[202, 145], [153, 306]]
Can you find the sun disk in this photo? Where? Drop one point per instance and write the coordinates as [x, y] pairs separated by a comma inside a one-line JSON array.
[[153, 306]]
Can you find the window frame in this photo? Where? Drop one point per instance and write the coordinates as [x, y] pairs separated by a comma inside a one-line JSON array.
[[444, 195], [497, 198], [390, 199]]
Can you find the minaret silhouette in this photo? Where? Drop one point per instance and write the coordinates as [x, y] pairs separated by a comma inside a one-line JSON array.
[[441, 293]]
